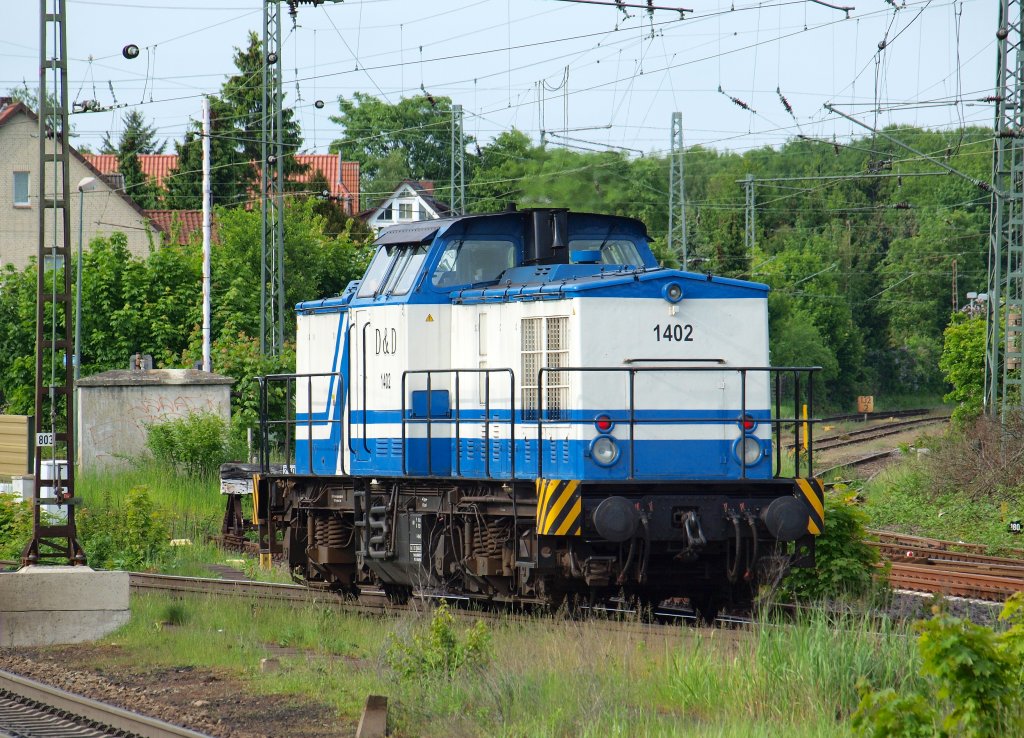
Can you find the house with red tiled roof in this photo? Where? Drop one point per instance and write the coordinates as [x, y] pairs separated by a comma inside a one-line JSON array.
[[342, 176], [155, 166], [104, 208], [180, 225]]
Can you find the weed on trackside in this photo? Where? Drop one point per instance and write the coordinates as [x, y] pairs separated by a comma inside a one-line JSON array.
[[546, 677]]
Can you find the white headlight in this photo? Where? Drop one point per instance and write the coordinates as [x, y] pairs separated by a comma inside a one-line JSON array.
[[604, 450], [748, 450]]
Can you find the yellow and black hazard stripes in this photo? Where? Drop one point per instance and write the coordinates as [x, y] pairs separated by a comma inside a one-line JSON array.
[[559, 507], [814, 499]]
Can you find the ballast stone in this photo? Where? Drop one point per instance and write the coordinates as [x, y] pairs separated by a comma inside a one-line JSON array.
[[52, 605]]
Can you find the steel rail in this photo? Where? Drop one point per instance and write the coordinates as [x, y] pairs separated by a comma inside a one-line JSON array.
[[853, 437], [864, 417], [941, 557], [116, 718], [935, 543], [942, 580], [376, 603]]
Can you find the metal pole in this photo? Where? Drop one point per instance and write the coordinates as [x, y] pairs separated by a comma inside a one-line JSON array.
[[207, 196], [264, 184], [748, 186], [460, 153], [78, 284]]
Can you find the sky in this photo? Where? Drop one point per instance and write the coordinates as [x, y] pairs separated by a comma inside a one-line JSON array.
[[590, 75]]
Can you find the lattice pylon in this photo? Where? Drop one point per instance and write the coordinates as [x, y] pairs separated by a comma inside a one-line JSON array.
[[1004, 350], [53, 541]]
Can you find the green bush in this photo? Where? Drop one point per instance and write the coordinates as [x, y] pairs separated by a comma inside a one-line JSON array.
[[974, 682], [441, 649], [15, 526], [131, 536], [963, 365], [844, 563], [195, 445]]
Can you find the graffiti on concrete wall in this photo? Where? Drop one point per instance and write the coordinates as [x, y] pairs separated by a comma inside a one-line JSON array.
[[162, 408], [121, 433]]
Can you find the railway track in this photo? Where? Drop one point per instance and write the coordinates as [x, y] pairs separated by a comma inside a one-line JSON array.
[[949, 567], [373, 602], [30, 709], [867, 416], [862, 435]]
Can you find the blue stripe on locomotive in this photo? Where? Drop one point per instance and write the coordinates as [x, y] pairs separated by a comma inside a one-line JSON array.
[[474, 458], [569, 459]]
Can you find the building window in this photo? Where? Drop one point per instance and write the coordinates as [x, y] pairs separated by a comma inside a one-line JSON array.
[[405, 211], [21, 190], [386, 213]]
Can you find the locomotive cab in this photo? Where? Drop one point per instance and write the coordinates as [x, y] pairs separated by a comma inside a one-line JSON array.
[[524, 405]]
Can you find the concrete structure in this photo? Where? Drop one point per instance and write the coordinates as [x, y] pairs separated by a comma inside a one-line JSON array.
[[105, 209], [410, 201], [116, 407], [49, 605]]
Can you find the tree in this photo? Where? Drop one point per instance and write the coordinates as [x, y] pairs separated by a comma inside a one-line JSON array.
[[501, 168], [230, 172], [235, 135], [410, 139], [137, 137]]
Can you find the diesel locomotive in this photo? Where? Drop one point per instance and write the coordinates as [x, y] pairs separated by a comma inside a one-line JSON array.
[[524, 407]]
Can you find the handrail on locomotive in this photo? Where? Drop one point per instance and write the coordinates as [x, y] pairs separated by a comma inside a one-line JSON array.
[[270, 442]]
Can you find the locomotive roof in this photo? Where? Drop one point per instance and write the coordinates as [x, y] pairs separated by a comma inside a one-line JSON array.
[[539, 279], [424, 231]]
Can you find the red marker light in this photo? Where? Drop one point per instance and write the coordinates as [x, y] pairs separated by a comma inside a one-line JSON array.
[[603, 423], [748, 423]]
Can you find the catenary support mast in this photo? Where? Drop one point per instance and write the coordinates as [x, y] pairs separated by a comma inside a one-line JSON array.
[[53, 542], [677, 193], [1006, 253]]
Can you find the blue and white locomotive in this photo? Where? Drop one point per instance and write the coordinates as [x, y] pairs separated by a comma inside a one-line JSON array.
[[523, 406]]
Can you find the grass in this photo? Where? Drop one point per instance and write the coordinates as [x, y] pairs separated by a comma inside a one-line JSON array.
[[544, 677], [195, 502], [902, 499]]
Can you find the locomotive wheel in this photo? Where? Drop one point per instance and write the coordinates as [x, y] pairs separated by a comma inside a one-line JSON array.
[[707, 607], [397, 594]]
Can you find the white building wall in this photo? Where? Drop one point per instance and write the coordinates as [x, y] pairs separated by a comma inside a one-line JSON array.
[[104, 210]]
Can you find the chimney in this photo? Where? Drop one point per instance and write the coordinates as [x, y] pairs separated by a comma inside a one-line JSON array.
[[428, 185]]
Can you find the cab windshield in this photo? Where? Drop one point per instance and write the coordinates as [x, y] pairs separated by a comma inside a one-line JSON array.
[[393, 270], [467, 262]]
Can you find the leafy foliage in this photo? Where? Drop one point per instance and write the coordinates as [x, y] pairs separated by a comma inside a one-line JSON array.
[[154, 305], [196, 444], [235, 135], [441, 649], [15, 526], [974, 688], [123, 537], [963, 364], [409, 139], [136, 138], [844, 564]]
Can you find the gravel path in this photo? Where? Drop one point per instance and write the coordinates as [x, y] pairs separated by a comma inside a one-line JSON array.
[[200, 699]]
